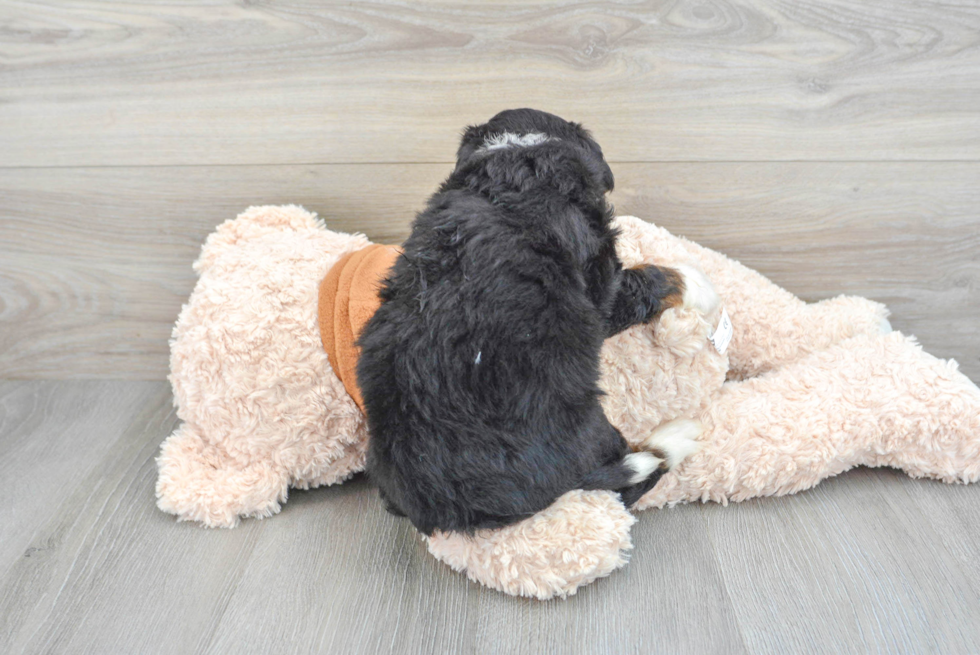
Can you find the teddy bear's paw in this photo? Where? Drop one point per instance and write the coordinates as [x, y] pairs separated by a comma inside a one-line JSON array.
[[699, 293], [675, 441]]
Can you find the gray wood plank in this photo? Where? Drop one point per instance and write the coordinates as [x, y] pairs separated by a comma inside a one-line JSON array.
[[53, 435], [407, 602], [110, 573], [870, 561], [347, 578], [671, 598], [95, 262], [949, 514], [846, 567], [332, 573], [103, 83]]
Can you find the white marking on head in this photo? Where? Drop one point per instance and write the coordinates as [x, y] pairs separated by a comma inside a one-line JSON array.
[[509, 139], [478, 356]]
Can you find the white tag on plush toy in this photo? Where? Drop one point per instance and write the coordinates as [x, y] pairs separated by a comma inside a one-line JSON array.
[[723, 335]]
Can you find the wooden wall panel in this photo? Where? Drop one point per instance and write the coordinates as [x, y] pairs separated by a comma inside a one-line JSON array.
[[95, 262], [102, 83]]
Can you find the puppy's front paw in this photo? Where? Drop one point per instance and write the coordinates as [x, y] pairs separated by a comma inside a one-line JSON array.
[[643, 465], [674, 441], [699, 293]]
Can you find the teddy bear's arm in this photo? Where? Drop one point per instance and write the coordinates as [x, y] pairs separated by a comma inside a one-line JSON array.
[[771, 325]]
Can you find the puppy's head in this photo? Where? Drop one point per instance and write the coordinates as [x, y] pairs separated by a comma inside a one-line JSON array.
[[529, 129]]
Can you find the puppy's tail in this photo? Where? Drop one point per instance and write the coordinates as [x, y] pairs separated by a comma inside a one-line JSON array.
[[637, 473]]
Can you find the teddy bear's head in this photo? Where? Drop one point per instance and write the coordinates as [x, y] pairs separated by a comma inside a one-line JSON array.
[[664, 370]]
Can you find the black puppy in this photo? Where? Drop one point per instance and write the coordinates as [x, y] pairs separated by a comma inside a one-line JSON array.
[[480, 369]]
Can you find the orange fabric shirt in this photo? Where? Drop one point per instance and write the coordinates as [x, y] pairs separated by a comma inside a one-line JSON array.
[[348, 299]]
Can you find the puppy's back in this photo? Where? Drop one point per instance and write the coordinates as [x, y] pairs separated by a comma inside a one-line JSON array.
[[479, 370]]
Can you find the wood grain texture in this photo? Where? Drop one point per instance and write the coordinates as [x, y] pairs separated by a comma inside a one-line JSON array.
[[870, 561], [105, 83], [43, 454], [97, 577], [671, 598], [95, 262], [849, 566]]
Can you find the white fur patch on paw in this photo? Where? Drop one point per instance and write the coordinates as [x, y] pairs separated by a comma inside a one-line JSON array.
[[643, 465], [699, 293], [676, 440]]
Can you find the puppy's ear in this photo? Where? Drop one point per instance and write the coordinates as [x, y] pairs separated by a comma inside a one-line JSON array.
[[599, 177], [595, 161], [473, 138], [604, 174]]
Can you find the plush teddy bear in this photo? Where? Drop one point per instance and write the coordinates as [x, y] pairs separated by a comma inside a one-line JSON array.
[[788, 393]]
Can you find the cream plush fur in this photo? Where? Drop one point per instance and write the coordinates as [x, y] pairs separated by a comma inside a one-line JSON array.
[[803, 392]]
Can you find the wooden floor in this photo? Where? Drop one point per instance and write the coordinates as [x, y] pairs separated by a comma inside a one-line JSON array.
[[833, 145], [867, 562]]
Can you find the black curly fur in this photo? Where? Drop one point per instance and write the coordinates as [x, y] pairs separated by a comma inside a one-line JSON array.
[[479, 371]]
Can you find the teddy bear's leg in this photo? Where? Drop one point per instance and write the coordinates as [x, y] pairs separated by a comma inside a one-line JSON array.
[[771, 326], [582, 536], [870, 400], [262, 408], [198, 481]]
